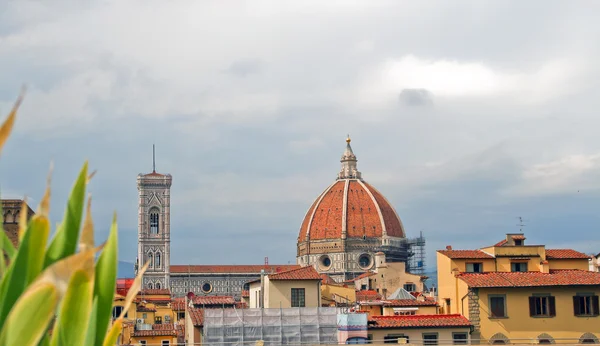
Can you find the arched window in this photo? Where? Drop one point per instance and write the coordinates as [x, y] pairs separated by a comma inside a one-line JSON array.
[[150, 259], [157, 260], [150, 285], [154, 221], [158, 285]]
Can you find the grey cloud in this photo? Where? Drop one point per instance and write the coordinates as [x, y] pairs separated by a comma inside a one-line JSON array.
[[243, 68], [237, 180], [416, 97]]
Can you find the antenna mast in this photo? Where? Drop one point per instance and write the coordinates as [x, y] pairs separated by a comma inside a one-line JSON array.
[[521, 224], [153, 160]]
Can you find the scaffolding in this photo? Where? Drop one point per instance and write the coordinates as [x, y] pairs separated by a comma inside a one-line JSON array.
[[290, 326], [416, 255]]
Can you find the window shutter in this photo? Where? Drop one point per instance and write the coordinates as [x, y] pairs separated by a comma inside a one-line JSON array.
[[595, 305], [576, 310], [531, 306], [552, 303]]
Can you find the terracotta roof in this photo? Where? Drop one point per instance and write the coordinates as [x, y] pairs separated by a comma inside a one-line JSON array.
[[363, 204], [518, 237], [527, 279], [465, 254], [245, 294], [501, 242], [328, 280], [362, 276], [304, 273], [178, 304], [154, 174], [418, 321], [157, 301], [241, 305], [368, 295], [140, 308], [565, 254], [213, 300], [409, 302], [239, 269], [166, 329], [197, 316], [151, 292]]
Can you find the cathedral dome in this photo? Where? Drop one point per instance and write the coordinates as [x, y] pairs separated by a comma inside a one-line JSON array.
[[350, 208]]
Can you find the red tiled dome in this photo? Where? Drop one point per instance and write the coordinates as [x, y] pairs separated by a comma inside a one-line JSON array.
[[367, 213]]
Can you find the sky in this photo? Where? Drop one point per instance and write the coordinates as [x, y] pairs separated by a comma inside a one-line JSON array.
[[464, 114]]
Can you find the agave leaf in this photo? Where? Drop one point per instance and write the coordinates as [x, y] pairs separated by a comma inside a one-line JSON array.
[[74, 313], [23, 219], [134, 289], [28, 320], [44, 207], [65, 240], [6, 245], [26, 266], [7, 126], [105, 282], [87, 234], [90, 333], [113, 333]]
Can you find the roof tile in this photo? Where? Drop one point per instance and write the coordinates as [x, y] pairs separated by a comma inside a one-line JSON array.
[[418, 321], [527, 279], [465, 254], [304, 273], [409, 302], [565, 254]]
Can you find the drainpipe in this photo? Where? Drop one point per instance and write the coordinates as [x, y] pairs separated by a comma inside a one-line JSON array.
[[262, 288]]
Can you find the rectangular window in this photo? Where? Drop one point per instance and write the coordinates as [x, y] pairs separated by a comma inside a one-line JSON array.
[[518, 266], [165, 343], [157, 320], [474, 267], [518, 242], [430, 339], [586, 305], [144, 315], [459, 338], [497, 306], [542, 306], [410, 287], [298, 298]]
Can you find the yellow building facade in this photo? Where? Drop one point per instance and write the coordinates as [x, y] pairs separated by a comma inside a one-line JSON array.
[[513, 292], [293, 288]]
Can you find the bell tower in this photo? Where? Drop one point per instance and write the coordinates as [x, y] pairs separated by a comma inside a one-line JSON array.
[[154, 227]]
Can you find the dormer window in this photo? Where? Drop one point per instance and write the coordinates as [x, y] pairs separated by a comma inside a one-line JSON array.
[[518, 242]]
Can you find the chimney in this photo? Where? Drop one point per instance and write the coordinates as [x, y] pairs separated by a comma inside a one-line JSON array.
[[449, 247], [544, 267]]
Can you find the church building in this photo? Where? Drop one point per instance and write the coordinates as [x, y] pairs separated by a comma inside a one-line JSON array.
[[345, 228], [349, 223]]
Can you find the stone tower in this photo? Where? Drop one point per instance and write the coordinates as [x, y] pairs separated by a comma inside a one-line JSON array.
[[154, 231]]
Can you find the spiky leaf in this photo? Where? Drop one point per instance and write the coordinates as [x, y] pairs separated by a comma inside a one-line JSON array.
[[65, 239], [105, 283]]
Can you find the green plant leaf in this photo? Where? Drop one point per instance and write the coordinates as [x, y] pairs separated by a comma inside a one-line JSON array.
[[113, 333], [65, 240], [28, 320], [90, 333], [105, 282], [74, 313], [26, 266]]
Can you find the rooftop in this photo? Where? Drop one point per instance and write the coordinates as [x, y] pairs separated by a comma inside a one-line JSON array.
[[465, 254], [165, 329], [418, 321], [213, 300], [367, 295], [197, 316], [409, 302], [304, 273], [531, 279], [565, 254]]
